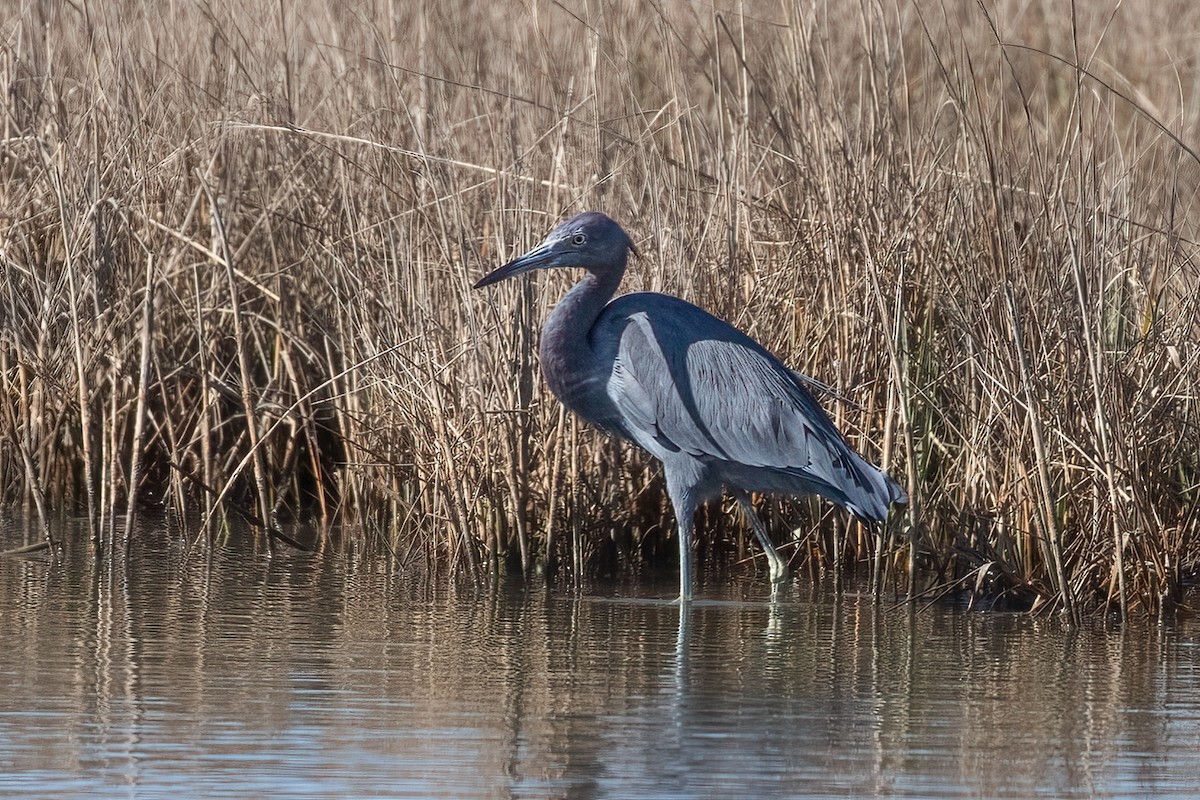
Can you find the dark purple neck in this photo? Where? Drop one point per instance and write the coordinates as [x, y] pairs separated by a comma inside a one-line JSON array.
[[566, 348]]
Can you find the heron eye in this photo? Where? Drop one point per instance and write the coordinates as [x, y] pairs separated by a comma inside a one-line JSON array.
[[578, 239]]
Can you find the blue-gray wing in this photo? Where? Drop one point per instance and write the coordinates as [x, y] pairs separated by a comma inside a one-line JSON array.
[[684, 381]]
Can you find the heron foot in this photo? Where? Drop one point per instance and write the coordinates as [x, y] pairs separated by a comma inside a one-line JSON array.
[[780, 574], [779, 569]]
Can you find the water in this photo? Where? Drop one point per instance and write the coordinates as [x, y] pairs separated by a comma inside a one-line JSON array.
[[334, 675]]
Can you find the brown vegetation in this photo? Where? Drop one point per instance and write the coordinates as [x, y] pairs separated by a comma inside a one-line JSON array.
[[237, 241]]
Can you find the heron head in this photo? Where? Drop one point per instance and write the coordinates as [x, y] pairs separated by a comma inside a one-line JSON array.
[[589, 240]]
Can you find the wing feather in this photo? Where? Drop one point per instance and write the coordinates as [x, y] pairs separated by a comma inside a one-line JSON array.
[[683, 380]]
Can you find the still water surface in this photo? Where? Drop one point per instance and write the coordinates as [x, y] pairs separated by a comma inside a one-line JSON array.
[[238, 674]]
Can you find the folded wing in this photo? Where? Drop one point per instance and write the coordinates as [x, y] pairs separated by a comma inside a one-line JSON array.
[[685, 381]]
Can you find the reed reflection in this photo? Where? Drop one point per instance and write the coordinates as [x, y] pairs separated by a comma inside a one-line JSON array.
[[350, 675]]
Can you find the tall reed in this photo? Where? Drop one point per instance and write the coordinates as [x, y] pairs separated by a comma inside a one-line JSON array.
[[237, 243]]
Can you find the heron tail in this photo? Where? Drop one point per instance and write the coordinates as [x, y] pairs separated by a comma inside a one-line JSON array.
[[876, 493]]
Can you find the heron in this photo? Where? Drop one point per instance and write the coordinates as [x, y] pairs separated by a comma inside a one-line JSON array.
[[716, 408]]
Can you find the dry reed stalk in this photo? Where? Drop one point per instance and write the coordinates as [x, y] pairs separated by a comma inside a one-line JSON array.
[[241, 343], [32, 478], [139, 414]]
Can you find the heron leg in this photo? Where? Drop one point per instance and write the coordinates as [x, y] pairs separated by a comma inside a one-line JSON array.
[[683, 499], [685, 558], [779, 570]]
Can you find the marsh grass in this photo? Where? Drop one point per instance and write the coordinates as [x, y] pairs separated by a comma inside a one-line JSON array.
[[237, 242]]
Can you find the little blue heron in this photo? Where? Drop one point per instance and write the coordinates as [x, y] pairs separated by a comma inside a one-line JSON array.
[[714, 406]]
